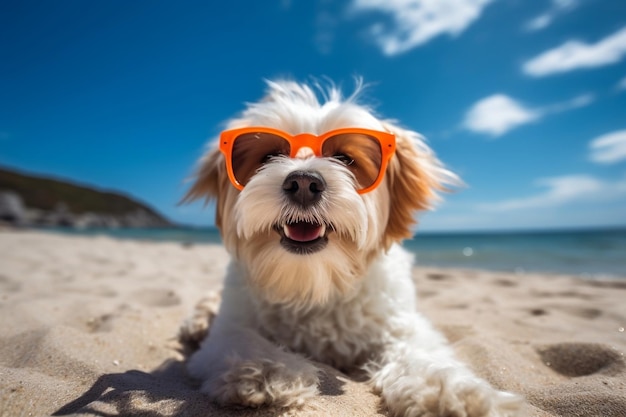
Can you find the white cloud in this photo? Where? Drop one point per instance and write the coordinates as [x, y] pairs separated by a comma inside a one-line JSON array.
[[563, 190], [415, 22], [609, 148], [539, 22], [574, 55], [545, 19], [575, 103], [565, 4], [497, 114], [326, 22]]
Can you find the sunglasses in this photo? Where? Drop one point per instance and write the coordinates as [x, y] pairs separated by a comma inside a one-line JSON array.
[[363, 152]]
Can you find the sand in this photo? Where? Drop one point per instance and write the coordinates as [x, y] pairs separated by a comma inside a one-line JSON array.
[[88, 326]]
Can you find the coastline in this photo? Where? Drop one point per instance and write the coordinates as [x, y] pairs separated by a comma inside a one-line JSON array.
[[88, 326], [586, 253]]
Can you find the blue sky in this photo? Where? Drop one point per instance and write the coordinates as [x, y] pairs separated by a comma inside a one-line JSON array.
[[525, 100]]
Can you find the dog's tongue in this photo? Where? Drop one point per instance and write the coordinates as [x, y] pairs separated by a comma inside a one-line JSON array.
[[303, 232]]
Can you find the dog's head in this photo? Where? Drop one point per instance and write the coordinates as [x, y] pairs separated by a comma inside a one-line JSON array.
[[305, 211]]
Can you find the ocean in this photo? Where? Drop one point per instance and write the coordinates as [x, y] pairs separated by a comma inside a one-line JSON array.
[[586, 253]]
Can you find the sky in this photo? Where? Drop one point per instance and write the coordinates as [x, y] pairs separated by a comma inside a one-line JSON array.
[[524, 100]]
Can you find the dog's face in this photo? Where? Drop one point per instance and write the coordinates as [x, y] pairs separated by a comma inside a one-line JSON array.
[[300, 225]]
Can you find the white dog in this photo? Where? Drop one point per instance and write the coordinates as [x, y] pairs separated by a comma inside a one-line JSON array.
[[312, 201]]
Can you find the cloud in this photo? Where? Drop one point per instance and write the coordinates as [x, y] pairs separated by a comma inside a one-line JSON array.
[[415, 22], [575, 103], [545, 19], [622, 84], [539, 22], [563, 190], [609, 148], [574, 55], [325, 23], [498, 114]]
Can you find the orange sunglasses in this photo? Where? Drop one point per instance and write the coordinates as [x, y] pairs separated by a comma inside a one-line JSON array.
[[363, 152]]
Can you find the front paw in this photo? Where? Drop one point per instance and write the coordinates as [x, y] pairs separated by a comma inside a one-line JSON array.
[[444, 393], [473, 397], [196, 328], [263, 382]]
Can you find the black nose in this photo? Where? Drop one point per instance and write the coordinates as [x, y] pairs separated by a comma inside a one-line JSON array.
[[304, 188]]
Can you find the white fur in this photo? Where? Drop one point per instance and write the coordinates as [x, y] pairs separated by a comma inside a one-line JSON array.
[[351, 305]]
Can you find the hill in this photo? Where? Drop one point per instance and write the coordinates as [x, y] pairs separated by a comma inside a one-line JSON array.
[[41, 201]]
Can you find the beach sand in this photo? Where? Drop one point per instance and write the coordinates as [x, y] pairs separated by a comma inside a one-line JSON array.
[[88, 326]]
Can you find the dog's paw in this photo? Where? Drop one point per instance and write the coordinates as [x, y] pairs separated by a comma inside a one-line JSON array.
[[442, 394], [263, 382], [473, 398], [196, 328]]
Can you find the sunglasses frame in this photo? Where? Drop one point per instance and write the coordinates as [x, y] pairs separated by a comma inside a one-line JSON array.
[[386, 140]]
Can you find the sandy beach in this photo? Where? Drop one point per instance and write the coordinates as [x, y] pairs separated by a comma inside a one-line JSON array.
[[89, 325]]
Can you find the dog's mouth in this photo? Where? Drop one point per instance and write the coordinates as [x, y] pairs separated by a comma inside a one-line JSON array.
[[303, 237]]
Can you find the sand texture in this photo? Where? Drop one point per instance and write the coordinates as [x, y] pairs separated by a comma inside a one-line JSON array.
[[88, 326]]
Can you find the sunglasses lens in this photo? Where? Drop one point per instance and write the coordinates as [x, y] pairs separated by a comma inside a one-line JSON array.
[[252, 150], [360, 153]]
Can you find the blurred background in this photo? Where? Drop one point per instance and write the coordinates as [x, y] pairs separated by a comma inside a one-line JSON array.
[[526, 101]]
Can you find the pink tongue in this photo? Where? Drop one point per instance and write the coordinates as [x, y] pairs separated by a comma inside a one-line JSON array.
[[304, 232]]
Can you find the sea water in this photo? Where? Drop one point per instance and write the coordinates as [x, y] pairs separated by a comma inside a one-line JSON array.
[[587, 253]]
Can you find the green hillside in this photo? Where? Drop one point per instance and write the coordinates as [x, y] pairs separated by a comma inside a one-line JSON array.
[[46, 194]]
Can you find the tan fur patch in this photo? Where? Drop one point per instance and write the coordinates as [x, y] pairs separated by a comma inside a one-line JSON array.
[[211, 181], [410, 186]]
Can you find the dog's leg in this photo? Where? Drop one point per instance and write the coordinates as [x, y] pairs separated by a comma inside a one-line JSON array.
[[419, 376], [240, 367]]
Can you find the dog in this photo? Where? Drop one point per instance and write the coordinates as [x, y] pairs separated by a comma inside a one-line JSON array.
[[314, 194]]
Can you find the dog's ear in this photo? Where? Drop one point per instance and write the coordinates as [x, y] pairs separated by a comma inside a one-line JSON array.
[[414, 177], [210, 181]]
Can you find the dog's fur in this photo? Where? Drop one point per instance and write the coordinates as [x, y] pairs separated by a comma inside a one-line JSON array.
[[352, 304]]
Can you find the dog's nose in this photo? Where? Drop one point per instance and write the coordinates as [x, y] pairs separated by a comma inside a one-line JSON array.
[[304, 187]]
